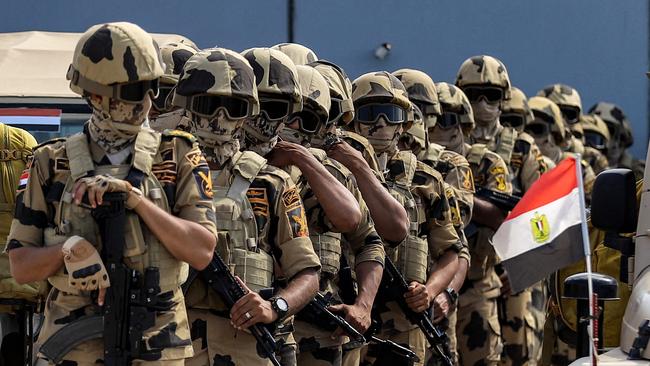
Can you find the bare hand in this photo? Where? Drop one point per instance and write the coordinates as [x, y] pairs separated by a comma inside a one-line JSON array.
[[441, 307], [287, 153], [346, 155], [96, 187], [357, 315], [418, 297], [251, 309]]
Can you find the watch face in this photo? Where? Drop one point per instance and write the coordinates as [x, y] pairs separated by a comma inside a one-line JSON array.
[[281, 304]]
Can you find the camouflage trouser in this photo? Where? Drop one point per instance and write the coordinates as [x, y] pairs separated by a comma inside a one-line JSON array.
[[287, 353], [316, 347], [556, 352], [42, 362], [477, 330], [414, 339], [351, 357], [216, 342], [518, 329]]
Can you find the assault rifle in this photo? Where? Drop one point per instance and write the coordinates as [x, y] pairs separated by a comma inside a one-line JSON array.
[[129, 307], [393, 287], [218, 276], [502, 200]]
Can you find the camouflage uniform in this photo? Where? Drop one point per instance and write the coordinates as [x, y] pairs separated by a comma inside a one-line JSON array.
[[420, 189], [315, 345], [621, 137], [261, 215], [167, 168], [163, 114]]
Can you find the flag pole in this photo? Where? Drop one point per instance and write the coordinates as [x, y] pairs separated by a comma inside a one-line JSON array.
[[587, 248]]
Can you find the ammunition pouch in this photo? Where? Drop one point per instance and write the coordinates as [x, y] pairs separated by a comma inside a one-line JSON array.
[[328, 248]]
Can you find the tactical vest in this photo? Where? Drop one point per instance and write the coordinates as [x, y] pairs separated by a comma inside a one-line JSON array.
[[411, 255], [143, 249], [13, 159], [483, 256], [504, 144], [238, 236]]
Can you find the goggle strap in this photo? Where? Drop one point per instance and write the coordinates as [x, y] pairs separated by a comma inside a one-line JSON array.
[[89, 85], [347, 105]]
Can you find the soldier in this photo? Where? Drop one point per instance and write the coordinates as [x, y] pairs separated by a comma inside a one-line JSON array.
[[596, 137], [356, 153], [15, 154], [381, 105], [621, 137], [477, 326], [53, 236], [568, 100], [550, 134], [299, 54], [257, 205], [327, 222], [163, 115]]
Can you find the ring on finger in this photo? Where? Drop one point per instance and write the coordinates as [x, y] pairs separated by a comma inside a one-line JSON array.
[[247, 315]]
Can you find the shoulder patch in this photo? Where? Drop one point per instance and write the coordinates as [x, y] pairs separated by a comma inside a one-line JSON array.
[[178, 133]]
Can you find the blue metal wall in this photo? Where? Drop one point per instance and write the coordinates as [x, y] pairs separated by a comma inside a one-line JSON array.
[[598, 46]]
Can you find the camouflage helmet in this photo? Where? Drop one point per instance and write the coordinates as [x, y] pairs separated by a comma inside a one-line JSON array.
[[218, 72], [484, 70], [111, 54], [565, 97], [547, 110], [314, 89], [275, 75], [299, 54], [452, 99], [517, 104], [379, 87], [613, 115], [592, 123], [340, 87], [421, 90], [174, 56]]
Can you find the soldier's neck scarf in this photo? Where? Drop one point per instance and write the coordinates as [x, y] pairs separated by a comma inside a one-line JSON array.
[[451, 138], [169, 120], [486, 114], [114, 129], [549, 148], [485, 134], [218, 137], [260, 135], [295, 136]]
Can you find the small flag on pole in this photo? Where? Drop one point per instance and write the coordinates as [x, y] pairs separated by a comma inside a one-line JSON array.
[[543, 233]]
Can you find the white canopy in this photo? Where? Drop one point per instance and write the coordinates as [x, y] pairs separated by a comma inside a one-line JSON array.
[[34, 64]]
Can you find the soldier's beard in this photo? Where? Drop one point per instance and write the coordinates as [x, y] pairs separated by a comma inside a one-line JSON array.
[[114, 129], [451, 138], [260, 135], [218, 137]]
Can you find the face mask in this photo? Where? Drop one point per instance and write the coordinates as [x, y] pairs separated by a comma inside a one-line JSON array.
[[451, 138], [219, 137], [382, 136], [323, 136], [614, 153], [169, 120], [485, 114], [548, 147], [295, 136], [114, 129], [260, 135]]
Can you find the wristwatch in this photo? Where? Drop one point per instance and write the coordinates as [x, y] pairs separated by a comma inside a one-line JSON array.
[[453, 295], [280, 306]]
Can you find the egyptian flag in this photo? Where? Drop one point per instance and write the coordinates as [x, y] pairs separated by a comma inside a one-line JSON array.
[[32, 119], [543, 233]]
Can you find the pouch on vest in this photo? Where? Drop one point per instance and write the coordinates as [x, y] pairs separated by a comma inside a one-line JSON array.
[[328, 248]]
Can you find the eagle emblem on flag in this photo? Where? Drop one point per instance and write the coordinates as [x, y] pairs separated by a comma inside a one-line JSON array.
[[540, 228]]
